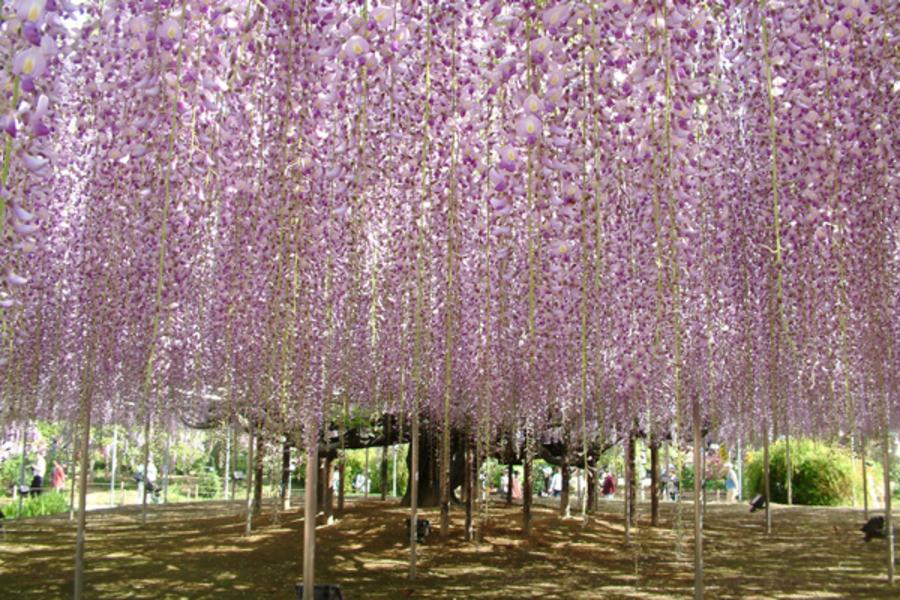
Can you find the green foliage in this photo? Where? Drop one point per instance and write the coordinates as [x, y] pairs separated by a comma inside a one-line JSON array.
[[687, 478], [715, 479], [822, 475], [356, 460], [495, 470], [209, 484], [48, 503], [895, 478], [10, 470]]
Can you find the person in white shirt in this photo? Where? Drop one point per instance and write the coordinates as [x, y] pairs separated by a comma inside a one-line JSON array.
[[556, 483], [38, 468]]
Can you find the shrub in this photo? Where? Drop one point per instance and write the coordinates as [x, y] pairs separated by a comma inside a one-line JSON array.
[[10, 470], [822, 475], [715, 479], [48, 503], [209, 484]]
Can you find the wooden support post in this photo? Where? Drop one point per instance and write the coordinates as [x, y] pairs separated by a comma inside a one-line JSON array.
[[413, 494], [631, 483], [698, 506], [227, 477], [22, 480], [144, 486], [788, 467], [309, 521], [167, 468], [112, 472], [328, 489], [865, 483], [366, 480], [703, 471], [248, 524], [654, 484], [626, 494], [887, 453], [342, 469], [82, 493], [72, 472], [527, 487], [766, 478], [384, 457], [394, 473]]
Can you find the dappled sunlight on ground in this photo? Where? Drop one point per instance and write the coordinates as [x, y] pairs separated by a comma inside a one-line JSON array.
[[198, 551]]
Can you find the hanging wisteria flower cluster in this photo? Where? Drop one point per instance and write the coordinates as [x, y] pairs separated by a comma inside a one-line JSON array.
[[521, 213]]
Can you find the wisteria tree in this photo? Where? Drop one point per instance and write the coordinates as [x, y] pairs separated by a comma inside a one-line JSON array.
[[519, 223]]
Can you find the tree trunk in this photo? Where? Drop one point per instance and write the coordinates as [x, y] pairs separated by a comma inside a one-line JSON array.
[[564, 510], [428, 493], [511, 458], [469, 488], [528, 488], [591, 481], [328, 488], [258, 478], [342, 470], [429, 469], [509, 478], [654, 484]]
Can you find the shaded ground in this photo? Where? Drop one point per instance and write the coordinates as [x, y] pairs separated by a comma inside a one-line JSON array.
[[197, 551]]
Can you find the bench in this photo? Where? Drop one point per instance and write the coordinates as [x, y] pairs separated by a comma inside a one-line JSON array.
[[325, 591], [423, 528]]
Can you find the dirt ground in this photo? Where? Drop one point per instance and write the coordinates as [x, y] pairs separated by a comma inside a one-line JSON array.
[[198, 551]]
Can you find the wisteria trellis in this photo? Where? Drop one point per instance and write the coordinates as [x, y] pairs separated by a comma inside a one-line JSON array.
[[514, 212]]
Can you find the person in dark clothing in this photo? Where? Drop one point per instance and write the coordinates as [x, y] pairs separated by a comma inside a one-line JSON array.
[[609, 486], [38, 468]]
